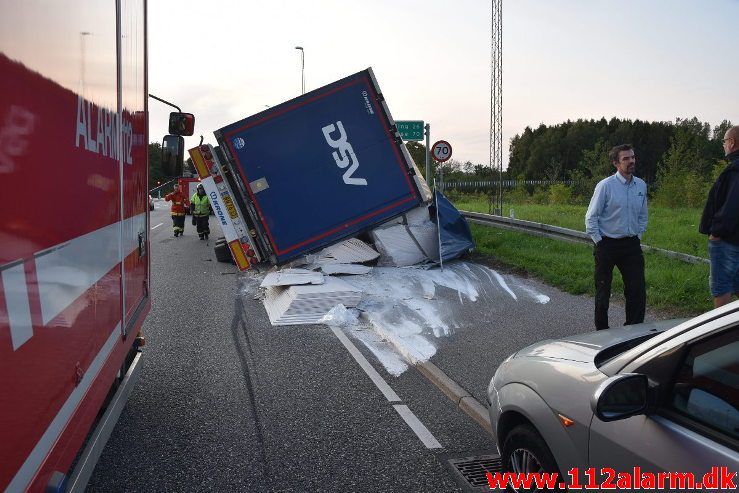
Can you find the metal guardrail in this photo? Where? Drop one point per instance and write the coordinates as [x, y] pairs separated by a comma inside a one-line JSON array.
[[549, 231], [165, 186], [511, 184]]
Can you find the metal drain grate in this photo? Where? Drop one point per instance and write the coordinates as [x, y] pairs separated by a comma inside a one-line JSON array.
[[473, 469]]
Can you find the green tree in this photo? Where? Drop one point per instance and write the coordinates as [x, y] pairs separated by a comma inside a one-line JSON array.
[[418, 154], [720, 129], [683, 154], [482, 172], [582, 187], [156, 174], [594, 162], [680, 180]]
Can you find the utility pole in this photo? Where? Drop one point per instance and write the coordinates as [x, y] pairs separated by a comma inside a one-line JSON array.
[[496, 102]]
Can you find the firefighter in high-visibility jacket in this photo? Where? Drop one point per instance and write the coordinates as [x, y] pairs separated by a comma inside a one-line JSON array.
[[200, 209], [177, 210]]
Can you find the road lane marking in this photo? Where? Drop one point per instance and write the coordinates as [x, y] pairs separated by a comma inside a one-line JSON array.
[[381, 384], [418, 428], [423, 433], [155, 227]]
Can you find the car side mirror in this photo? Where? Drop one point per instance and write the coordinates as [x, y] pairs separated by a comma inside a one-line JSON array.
[[621, 397], [173, 155], [181, 123]]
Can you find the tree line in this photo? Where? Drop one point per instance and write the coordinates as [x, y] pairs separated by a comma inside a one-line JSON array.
[[579, 149], [678, 160]]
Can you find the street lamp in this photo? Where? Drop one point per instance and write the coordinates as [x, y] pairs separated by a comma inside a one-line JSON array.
[[83, 57], [302, 68]]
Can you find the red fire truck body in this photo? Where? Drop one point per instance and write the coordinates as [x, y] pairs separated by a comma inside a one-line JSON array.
[[188, 186], [74, 239]]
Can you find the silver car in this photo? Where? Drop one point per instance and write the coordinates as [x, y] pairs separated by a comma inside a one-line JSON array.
[[655, 397]]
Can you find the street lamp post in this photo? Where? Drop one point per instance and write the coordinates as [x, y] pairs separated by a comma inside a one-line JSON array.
[[302, 69], [83, 56]]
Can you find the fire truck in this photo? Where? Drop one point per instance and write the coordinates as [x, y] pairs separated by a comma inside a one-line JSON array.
[[188, 186], [74, 239]]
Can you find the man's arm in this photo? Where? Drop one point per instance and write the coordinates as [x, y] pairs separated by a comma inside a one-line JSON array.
[[643, 215], [594, 211]]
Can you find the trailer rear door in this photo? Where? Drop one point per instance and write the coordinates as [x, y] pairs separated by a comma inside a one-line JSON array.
[[323, 166]]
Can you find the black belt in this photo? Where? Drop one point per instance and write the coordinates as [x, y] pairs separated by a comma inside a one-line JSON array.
[[620, 239]]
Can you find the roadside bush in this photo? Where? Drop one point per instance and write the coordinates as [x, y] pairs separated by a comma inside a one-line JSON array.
[[454, 195], [681, 189], [582, 187], [560, 194], [518, 195], [696, 190], [540, 196]]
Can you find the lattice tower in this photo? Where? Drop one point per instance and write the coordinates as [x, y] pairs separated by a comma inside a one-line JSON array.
[[496, 100]]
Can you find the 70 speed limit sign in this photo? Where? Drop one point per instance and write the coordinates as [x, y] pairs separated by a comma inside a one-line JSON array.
[[441, 151]]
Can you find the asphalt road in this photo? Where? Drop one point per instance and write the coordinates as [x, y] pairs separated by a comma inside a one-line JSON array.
[[227, 402]]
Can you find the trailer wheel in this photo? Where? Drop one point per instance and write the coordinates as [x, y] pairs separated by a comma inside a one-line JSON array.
[[223, 253]]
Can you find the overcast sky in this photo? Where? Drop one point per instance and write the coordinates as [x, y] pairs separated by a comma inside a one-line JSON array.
[[654, 60]]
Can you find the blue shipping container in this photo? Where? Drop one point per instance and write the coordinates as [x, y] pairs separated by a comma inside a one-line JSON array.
[[322, 167]]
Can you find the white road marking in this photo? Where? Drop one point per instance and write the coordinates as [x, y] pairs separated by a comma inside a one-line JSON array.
[[418, 428], [155, 227], [381, 384], [423, 433]]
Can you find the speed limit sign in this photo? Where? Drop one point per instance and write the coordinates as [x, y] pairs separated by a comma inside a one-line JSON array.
[[441, 151]]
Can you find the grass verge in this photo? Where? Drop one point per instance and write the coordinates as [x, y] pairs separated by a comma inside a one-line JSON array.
[[673, 286], [671, 229]]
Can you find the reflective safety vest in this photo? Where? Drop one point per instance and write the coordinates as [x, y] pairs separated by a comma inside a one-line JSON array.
[[202, 205]]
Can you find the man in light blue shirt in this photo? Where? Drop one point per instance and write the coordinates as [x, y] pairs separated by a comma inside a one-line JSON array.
[[616, 220]]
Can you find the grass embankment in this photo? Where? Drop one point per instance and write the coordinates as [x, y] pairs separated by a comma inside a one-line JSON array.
[[673, 286]]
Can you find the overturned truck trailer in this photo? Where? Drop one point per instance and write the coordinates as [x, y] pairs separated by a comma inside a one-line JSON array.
[[309, 172]]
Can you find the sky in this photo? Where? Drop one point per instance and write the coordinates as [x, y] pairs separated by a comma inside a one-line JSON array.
[[654, 60]]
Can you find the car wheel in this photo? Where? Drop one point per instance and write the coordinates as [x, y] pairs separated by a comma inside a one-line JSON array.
[[525, 451]]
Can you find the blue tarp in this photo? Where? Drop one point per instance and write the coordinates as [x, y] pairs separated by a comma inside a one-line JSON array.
[[455, 238]]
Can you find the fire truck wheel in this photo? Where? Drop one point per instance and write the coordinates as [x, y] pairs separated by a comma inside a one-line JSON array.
[[223, 254]]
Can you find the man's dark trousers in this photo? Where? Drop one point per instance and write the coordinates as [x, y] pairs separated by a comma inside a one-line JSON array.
[[626, 254]]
